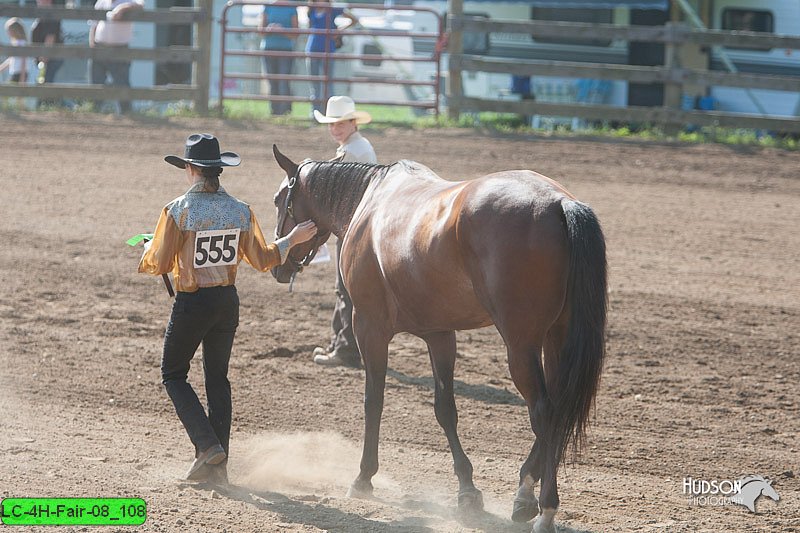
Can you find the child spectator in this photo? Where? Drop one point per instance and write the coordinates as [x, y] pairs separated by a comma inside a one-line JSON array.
[[16, 65]]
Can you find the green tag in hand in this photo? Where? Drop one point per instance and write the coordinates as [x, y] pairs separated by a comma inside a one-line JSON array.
[[136, 239]]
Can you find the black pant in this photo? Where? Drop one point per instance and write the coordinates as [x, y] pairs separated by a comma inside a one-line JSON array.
[[209, 316], [344, 341]]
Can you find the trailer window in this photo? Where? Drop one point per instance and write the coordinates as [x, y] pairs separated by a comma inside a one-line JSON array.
[[371, 50], [748, 20], [603, 16]]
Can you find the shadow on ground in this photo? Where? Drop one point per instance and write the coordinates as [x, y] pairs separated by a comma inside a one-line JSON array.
[[483, 393], [316, 513]]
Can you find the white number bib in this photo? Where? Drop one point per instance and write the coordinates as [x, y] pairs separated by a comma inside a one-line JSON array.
[[216, 248]]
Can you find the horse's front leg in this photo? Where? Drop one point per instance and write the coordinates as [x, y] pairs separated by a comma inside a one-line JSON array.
[[442, 352], [374, 348]]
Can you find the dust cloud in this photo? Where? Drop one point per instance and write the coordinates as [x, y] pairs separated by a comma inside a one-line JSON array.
[[320, 462]]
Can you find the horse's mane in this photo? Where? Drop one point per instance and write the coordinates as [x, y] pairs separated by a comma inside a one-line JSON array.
[[339, 187]]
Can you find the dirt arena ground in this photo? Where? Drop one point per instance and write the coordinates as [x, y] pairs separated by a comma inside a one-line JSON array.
[[701, 378]]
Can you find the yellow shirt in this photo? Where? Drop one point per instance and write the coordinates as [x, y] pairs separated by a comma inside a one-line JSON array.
[[202, 236]]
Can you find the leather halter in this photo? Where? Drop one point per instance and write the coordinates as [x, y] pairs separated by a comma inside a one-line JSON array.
[[288, 212]]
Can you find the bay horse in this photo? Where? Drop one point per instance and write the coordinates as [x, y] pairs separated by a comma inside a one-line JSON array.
[[428, 256]]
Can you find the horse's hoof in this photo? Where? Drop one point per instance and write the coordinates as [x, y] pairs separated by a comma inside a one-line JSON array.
[[551, 528], [470, 500], [545, 523], [360, 489], [525, 509]]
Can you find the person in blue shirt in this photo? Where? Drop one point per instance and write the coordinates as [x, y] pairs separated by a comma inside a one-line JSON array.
[[273, 19], [322, 16], [521, 85]]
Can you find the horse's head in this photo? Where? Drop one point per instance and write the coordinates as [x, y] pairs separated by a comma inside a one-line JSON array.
[[752, 487], [769, 491], [293, 207]]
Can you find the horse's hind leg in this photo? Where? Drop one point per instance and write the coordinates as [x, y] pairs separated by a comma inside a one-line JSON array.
[[526, 506], [442, 351], [542, 463], [545, 420], [526, 371]]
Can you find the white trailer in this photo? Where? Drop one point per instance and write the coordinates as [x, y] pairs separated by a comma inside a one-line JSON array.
[[771, 16]]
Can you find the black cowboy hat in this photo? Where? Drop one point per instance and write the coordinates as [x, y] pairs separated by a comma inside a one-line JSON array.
[[202, 150]]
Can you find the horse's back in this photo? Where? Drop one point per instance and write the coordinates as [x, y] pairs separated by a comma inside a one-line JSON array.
[[514, 191], [441, 246], [411, 193]]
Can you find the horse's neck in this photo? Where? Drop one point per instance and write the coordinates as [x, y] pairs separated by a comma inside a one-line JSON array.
[[335, 223], [334, 218], [341, 218], [336, 200]]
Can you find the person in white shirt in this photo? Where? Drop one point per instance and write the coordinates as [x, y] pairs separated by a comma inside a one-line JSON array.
[[343, 119], [114, 32], [16, 65]]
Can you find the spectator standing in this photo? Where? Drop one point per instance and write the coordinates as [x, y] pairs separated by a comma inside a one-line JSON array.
[[521, 85], [322, 16], [273, 18], [47, 32], [16, 65], [114, 32], [343, 119]]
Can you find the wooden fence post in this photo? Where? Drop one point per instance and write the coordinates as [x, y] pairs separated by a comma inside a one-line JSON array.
[[673, 89], [202, 68], [455, 9]]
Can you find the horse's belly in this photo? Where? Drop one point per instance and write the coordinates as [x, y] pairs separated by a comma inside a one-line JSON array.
[[450, 304]]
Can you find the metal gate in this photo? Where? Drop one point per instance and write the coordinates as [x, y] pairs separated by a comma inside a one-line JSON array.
[[389, 58]]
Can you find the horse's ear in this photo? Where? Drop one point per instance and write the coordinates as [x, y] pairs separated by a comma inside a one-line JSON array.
[[284, 162]]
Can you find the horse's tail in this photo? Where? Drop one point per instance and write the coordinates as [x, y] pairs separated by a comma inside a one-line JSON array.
[[581, 359]]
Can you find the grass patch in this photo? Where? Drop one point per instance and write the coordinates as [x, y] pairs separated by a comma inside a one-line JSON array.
[[301, 111], [382, 116], [405, 117]]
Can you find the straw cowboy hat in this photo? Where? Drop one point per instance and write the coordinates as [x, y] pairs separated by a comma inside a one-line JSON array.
[[202, 150], [341, 108]]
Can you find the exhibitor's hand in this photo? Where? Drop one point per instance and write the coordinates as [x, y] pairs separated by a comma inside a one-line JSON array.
[[302, 232]]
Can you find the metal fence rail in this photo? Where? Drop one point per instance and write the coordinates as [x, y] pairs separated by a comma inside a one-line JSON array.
[[331, 57]]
